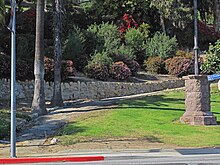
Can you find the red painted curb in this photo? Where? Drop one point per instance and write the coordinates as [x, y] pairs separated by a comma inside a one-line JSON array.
[[50, 159]]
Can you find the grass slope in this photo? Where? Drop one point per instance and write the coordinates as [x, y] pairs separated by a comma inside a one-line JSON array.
[[155, 118]]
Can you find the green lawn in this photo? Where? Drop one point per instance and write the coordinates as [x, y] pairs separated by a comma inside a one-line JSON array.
[[155, 118]]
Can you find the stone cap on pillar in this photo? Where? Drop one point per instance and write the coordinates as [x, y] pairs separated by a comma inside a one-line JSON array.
[[195, 77]]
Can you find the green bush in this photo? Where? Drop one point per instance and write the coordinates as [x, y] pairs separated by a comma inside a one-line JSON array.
[[211, 62], [74, 48], [144, 29], [120, 71], [179, 66], [161, 45], [135, 41], [215, 49], [101, 58], [106, 37], [25, 46], [123, 53], [155, 65]]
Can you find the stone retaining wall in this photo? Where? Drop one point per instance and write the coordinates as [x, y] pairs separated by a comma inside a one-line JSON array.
[[91, 90]]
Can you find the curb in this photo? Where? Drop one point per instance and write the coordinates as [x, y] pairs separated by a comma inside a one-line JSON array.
[[50, 159]]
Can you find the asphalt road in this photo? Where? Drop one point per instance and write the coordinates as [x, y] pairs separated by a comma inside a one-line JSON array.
[[206, 156]]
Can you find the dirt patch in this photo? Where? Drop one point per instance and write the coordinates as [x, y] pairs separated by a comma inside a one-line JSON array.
[[30, 150]]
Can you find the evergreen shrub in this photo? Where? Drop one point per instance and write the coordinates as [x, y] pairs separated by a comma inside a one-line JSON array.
[[161, 45], [135, 41], [106, 37], [74, 48]]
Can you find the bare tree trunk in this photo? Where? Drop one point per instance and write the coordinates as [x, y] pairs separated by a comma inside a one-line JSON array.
[[162, 23], [38, 104], [217, 15], [57, 95]]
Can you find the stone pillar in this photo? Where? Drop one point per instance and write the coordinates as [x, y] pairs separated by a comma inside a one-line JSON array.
[[197, 101]]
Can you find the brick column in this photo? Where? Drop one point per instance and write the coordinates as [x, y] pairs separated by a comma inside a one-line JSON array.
[[197, 101]]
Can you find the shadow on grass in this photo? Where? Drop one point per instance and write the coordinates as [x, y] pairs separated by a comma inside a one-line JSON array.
[[157, 100], [155, 108], [71, 129]]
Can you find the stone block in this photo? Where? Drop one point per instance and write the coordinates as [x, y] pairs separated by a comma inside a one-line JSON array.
[[198, 120], [197, 102]]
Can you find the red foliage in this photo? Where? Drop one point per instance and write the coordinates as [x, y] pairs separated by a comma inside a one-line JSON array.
[[179, 66], [208, 30], [25, 69], [97, 71], [120, 71], [133, 66], [126, 23], [67, 69]]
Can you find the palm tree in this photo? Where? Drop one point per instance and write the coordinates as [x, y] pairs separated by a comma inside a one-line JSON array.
[[38, 104], [57, 96]]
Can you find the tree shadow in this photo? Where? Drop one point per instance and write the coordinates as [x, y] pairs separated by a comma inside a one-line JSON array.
[[72, 130], [155, 108], [156, 100]]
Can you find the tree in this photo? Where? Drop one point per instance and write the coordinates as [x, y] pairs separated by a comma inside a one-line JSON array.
[[2, 13], [57, 96], [38, 104], [176, 11], [217, 15]]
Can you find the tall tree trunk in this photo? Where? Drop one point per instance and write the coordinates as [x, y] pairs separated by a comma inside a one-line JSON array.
[[38, 104], [57, 95], [217, 15]]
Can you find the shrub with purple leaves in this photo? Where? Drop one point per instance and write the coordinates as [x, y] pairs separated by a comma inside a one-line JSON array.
[[67, 69], [120, 71], [179, 66], [97, 71], [133, 66], [24, 69]]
